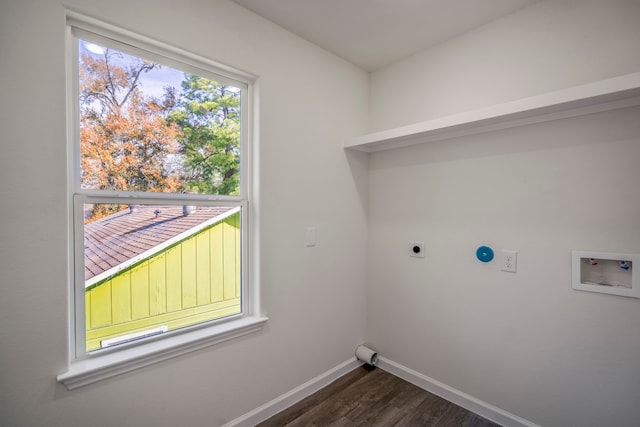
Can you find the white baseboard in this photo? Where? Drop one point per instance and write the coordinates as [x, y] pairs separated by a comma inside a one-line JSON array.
[[286, 400], [464, 400]]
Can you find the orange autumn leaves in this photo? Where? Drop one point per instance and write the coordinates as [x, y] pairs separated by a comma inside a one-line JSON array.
[[126, 141], [139, 133]]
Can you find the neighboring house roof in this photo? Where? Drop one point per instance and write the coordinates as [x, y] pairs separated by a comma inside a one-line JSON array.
[[124, 238]]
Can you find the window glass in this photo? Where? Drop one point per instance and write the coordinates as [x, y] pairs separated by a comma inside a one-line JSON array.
[[150, 269], [155, 253], [152, 128]]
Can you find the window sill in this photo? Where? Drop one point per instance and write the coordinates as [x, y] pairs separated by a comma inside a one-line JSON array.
[[98, 367]]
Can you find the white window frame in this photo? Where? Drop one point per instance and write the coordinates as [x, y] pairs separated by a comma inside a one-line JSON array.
[[86, 368]]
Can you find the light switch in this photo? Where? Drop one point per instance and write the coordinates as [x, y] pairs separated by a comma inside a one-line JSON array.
[[311, 236]]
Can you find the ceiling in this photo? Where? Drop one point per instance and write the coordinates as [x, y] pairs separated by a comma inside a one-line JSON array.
[[374, 33]]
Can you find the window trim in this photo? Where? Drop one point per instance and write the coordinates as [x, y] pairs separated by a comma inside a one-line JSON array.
[[86, 368], [108, 364]]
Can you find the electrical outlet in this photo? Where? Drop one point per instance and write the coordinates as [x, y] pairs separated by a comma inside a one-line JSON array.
[[416, 249], [509, 261]]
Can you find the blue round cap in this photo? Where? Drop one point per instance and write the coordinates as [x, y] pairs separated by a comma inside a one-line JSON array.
[[484, 253]]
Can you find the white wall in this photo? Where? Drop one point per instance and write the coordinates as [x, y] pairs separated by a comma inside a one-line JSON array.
[[310, 102], [525, 342], [548, 46]]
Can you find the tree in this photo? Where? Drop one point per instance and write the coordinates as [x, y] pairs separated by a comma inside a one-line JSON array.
[[126, 142], [209, 117]]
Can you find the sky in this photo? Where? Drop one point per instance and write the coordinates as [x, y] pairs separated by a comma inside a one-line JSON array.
[[152, 82]]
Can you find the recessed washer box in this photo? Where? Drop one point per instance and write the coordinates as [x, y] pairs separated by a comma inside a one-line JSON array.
[[606, 273]]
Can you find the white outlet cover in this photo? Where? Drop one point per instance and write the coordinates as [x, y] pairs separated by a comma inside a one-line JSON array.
[[509, 261]]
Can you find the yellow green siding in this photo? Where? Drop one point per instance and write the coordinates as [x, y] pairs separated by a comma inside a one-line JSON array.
[[193, 281]]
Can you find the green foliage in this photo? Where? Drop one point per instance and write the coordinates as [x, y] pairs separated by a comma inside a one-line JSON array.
[[132, 141], [208, 114]]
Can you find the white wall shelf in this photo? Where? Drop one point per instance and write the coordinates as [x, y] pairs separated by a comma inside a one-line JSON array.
[[603, 95]]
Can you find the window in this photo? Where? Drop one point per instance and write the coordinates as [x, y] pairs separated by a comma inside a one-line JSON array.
[[159, 190]]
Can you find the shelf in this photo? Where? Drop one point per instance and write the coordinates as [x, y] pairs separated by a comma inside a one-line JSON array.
[[604, 95]]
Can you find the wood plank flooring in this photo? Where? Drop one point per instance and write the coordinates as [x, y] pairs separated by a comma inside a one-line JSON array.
[[366, 397]]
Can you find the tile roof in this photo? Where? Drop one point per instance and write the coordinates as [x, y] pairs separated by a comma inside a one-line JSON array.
[[118, 238]]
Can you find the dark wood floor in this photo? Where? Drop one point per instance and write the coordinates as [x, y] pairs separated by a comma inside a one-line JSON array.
[[375, 398]]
